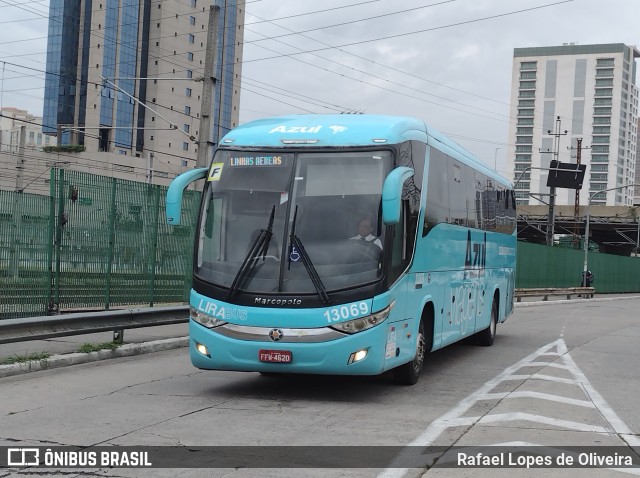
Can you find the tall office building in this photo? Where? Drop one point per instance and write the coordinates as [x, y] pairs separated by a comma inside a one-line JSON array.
[[108, 58], [592, 89], [636, 200]]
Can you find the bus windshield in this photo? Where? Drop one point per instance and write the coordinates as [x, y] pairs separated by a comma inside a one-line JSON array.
[[330, 202]]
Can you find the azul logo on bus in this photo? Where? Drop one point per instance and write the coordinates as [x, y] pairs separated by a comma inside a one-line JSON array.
[[307, 129], [296, 129], [221, 312], [476, 256]]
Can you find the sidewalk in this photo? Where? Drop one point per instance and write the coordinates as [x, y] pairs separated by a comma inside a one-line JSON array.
[[63, 351]]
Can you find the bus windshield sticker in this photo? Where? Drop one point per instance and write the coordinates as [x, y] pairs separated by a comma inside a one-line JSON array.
[[256, 161], [215, 172]]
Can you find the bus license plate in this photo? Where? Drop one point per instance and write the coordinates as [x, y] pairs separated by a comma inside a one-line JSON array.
[[276, 356]]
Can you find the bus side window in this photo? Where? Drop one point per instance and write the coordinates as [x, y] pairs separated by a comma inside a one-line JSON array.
[[399, 246], [208, 223], [437, 207], [404, 233]]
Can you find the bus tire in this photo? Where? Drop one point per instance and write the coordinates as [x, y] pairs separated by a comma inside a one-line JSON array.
[[488, 335], [409, 373]]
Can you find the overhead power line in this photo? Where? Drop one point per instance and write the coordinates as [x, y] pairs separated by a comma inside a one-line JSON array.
[[399, 35]]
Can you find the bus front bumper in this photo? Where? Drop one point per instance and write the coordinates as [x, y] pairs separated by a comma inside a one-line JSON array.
[[332, 357]]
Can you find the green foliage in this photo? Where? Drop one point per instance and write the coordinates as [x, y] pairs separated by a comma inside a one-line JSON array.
[[135, 225], [64, 148], [181, 230], [88, 348], [36, 356]]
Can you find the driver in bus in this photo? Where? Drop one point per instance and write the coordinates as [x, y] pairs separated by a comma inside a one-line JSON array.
[[365, 229]]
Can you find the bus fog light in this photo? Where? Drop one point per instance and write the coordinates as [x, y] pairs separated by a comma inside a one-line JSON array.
[[357, 356], [202, 349]]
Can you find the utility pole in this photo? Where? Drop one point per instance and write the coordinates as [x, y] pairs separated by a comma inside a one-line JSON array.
[[208, 86], [552, 189], [20, 160], [576, 213], [150, 168], [14, 248], [577, 205]]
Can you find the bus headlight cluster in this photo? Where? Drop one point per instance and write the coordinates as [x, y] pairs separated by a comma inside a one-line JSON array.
[[204, 319], [364, 323]]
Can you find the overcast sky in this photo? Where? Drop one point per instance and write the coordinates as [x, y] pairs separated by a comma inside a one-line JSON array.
[[447, 62]]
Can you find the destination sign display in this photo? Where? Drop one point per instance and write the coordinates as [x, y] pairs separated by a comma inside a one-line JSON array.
[[256, 161]]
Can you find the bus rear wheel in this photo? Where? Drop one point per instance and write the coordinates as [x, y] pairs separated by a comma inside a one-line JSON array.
[[488, 335], [409, 373]]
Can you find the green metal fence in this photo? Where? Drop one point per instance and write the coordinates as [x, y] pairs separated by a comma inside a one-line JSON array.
[[544, 266], [95, 243], [25, 254]]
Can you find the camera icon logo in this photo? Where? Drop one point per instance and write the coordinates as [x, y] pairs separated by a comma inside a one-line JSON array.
[[23, 457]]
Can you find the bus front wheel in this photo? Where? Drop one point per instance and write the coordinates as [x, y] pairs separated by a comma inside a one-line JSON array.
[[409, 373], [488, 335]]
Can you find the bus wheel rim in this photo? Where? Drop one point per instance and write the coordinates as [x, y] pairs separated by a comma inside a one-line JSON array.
[[494, 321], [419, 358]]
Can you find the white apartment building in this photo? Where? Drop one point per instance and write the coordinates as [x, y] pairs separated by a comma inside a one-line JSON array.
[[592, 89], [11, 119]]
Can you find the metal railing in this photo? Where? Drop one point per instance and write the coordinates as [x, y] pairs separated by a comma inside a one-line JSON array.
[[546, 292], [40, 328]]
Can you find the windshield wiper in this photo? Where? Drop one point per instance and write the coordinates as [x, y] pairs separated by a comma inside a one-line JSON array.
[[306, 260], [259, 247]]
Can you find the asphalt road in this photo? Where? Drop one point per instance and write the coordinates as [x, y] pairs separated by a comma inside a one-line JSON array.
[[559, 374]]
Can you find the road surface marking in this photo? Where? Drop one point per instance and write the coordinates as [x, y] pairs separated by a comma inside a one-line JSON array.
[[557, 349]]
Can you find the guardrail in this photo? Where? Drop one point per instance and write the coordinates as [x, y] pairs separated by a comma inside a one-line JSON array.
[[546, 292], [47, 327], [39, 328]]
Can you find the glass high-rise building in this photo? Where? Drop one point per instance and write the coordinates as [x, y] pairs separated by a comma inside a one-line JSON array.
[[154, 52], [592, 89]]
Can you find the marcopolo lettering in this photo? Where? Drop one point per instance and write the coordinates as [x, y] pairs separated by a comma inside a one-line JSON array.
[[264, 301]]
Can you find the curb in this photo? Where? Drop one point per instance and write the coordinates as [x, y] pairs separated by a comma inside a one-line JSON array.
[[64, 360], [571, 301]]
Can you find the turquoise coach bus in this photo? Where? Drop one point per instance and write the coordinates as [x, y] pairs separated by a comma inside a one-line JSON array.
[[345, 244]]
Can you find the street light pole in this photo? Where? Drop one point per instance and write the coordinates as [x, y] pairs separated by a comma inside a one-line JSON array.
[[638, 236], [586, 228]]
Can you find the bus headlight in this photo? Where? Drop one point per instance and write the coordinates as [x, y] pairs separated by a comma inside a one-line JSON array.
[[364, 323], [204, 319]]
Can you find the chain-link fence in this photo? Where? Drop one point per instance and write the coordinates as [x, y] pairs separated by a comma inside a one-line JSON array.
[[94, 243]]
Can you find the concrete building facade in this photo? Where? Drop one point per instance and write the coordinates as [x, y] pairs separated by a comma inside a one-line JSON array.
[[108, 58], [636, 200], [11, 119], [592, 90]]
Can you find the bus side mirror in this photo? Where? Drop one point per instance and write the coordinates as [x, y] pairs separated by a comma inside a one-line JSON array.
[[174, 193], [392, 194]]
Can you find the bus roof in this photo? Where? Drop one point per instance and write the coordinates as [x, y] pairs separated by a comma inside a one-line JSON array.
[[344, 131]]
